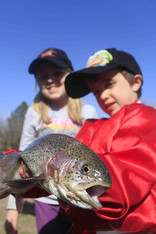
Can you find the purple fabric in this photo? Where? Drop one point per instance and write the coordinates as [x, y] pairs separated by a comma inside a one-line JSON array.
[[51, 219]]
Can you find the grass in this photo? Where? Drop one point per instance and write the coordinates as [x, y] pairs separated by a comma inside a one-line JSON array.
[[26, 223]]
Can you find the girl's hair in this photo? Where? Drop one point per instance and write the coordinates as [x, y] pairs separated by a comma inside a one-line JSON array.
[[130, 78], [41, 105]]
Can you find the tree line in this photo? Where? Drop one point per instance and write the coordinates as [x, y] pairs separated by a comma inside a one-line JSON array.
[[11, 128]]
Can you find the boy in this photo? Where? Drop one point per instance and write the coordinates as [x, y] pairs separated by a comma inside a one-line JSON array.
[[125, 142]]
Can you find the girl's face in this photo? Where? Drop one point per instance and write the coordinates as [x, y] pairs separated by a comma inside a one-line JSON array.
[[51, 82], [113, 91]]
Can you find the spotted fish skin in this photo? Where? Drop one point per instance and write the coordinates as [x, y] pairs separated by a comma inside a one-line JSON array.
[[65, 167]]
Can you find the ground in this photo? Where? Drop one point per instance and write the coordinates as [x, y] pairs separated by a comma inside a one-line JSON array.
[[26, 223]]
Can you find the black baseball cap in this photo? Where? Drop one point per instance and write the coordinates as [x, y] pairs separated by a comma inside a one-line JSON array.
[[55, 56], [101, 61]]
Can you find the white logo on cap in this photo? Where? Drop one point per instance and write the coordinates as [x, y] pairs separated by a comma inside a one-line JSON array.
[[100, 58]]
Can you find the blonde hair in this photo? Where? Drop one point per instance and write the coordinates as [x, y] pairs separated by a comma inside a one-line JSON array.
[[41, 105]]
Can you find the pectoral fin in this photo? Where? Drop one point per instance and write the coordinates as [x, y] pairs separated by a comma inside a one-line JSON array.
[[19, 202], [22, 185]]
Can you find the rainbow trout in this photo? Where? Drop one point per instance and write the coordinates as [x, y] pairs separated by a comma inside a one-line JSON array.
[[61, 165]]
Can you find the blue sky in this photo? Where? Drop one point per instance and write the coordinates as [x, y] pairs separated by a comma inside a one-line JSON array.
[[80, 28]]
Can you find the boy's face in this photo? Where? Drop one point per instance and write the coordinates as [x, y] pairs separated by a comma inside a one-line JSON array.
[[113, 91]]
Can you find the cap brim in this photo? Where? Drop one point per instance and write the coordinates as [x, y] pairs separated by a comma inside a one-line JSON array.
[[75, 82], [36, 63]]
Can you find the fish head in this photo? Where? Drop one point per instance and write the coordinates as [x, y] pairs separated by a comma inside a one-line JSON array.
[[78, 176]]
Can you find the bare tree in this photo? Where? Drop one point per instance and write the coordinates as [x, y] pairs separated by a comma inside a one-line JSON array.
[[10, 133], [3, 135]]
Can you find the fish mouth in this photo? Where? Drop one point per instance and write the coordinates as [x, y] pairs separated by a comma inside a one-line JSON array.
[[93, 193], [87, 198]]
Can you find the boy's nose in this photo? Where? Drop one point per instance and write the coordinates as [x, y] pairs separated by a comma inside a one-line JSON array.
[[104, 95]]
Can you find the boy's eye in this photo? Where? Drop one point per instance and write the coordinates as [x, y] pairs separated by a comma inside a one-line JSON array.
[[109, 84], [96, 92], [102, 88]]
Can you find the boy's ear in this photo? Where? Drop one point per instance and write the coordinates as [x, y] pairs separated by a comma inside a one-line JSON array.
[[137, 82]]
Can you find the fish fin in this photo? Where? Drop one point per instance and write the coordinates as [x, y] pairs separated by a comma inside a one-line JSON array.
[[63, 204], [19, 202], [5, 192], [22, 185]]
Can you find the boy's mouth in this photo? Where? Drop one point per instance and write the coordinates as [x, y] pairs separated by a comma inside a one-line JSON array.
[[109, 105]]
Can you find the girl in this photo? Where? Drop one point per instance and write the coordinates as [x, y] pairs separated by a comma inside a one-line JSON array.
[[52, 112]]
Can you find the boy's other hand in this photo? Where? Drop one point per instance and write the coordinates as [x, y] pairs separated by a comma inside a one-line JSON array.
[[24, 171]]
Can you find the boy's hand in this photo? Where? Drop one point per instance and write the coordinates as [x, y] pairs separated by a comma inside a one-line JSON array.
[[34, 192], [24, 171]]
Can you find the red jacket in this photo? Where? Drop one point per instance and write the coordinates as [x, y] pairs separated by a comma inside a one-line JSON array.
[[127, 144]]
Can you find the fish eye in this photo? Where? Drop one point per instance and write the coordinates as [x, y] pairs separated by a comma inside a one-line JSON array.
[[85, 169]]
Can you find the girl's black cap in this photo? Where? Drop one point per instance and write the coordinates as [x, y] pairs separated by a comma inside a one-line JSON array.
[[55, 56]]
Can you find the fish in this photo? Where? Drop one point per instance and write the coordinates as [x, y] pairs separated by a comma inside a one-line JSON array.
[[62, 166]]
